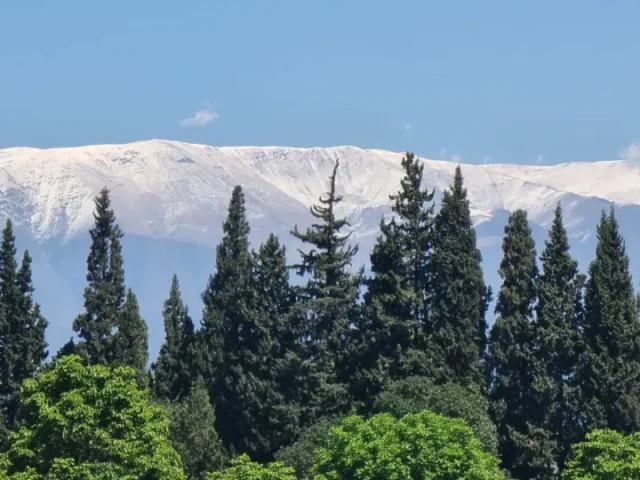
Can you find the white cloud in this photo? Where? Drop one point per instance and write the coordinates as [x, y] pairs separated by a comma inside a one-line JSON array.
[[408, 126], [487, 159], [200, 118], [540, 159], [443, 151], [631, 152], [456, 158]]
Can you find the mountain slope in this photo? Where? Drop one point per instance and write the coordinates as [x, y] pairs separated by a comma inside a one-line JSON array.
[[171, 199]]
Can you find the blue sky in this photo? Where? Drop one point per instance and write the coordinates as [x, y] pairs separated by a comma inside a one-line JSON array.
[[523, 81]]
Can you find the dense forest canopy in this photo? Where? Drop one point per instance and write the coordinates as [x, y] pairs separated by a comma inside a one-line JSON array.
[[340, 376]]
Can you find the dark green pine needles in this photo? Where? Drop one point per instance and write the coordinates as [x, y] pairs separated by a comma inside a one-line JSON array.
[[174, 369], [524, 448], [327, 305], [608, 377], [458, 336], [111, 330], [22, 328]]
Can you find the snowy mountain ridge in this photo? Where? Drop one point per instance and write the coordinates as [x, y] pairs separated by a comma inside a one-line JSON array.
[[169, 189]]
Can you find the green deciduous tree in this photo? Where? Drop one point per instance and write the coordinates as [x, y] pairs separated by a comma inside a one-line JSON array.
[[422, 445], [415, 394], [608, 377], [326, 306], [460, 296], [242, 468], [605, 454], [174, 368], [89, 423], [526, 449], [193, 433]]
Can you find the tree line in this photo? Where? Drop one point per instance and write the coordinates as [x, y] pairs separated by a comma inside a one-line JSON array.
[[274, 368]]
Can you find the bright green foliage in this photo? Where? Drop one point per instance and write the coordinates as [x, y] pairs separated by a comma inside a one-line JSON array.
[[193, 433], [131, 339], [105, 292], [301, 454], [525, 449], [326, 306], [605, 455], [608, 377], [418, 446], [460, 296], [558, 316], [22, 328], [242, 468], [174, 367], [413, 208], [89, 423], [415, 394]]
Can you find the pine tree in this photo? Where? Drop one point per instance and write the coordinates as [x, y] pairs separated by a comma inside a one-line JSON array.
[[276, 414], [387, 329], [131, 339], [23, 347], [460, 296], [558, 310], [105, 292], [608, 377], [174, 368], [327, 305], [414, 210], [229, 330], [525, 449], [193, 434]]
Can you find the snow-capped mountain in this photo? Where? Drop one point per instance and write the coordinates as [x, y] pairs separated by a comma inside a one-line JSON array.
[[171, 198]]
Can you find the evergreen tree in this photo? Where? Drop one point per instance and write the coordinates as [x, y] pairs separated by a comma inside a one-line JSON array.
[[387, 329], [237, 345], [193, 433], [23, 347], [557, 315], [608, 377], [174, 367], [460, 296], [414, 209], [525, 448], [276, 414], [105, 292], [326, 306], [131, 339]]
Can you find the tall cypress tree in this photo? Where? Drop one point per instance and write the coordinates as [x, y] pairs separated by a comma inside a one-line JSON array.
[[387, 329], [608, 377], [105, 292], [229, 331], [460, 296], [174, 368], [23, 347], [131, 340], [525, 448], [414, 209], [327, 305], [558, 339]]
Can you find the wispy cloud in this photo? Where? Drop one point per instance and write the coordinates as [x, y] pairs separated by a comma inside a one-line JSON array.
[[200, 118], [631, 152], [443, 151], [487, 159], [408, 126], [540, 159], [456, 158]]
